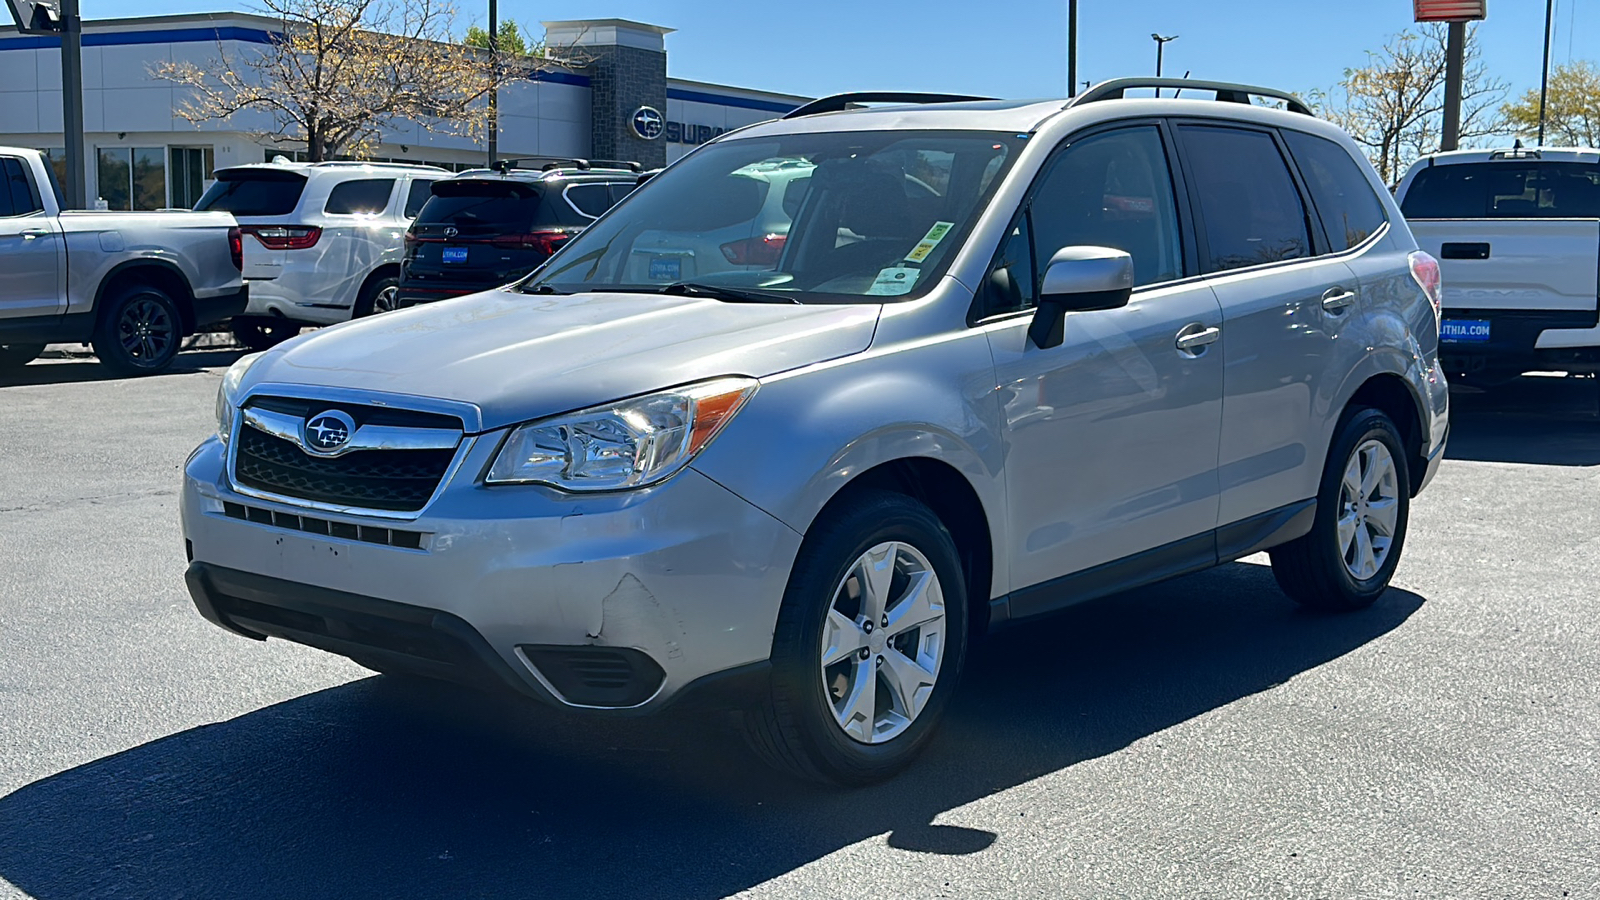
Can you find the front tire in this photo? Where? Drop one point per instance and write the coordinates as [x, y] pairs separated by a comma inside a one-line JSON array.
[[15, 356], [139, 331], [262, 333], [869, 644], [1363, 507]]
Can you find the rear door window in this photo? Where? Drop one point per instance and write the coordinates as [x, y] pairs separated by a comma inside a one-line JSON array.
[[416, 195], [481, 208], [16, 191], [364, 197], [1505, 189], [254, 192], [1249, 205], [620, 189], [1349, 210]]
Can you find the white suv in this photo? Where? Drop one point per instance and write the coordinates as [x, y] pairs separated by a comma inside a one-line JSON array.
[[323, 241]]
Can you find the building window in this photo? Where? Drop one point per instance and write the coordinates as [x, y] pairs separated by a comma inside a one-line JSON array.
[[133, 177], [190, 172]]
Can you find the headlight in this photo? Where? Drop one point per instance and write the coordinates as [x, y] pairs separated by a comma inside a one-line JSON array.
[[629, 444], [227, 393]]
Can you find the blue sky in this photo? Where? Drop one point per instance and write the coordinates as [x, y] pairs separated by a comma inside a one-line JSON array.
[[1017, 48]]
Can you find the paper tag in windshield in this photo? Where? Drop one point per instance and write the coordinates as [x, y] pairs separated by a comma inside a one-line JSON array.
[[925, 246], [894, 280]]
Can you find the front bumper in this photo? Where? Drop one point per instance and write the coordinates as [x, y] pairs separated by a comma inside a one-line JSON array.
[[520, 587]]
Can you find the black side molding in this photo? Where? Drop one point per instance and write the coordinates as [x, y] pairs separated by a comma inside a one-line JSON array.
[[1464, 251]]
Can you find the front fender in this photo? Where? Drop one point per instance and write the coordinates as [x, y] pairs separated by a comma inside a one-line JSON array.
[[807, 434]]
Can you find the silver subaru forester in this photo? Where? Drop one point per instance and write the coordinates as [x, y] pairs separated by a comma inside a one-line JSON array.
[[999, 358]]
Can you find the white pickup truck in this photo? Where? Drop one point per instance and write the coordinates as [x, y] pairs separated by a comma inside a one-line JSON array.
[[132, 284], [1517, 234]]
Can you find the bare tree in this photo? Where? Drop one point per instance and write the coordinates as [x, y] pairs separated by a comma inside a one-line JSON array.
[[1572, 115], [1394, 105], [338, 72]]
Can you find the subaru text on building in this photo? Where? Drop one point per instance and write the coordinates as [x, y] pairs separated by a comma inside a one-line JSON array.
[[1009, 357], [132, 284]]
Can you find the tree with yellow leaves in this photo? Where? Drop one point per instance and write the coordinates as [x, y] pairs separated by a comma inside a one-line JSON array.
[[338, 72], [1394, 105], [1572, 114]]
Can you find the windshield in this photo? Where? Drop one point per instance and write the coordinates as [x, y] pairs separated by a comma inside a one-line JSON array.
[[834, 217]]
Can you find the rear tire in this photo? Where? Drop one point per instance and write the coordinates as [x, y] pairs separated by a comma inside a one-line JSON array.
[[381, 296], [877, 587], [139, 332], [15, 356], [1363, 505], [262, 333]]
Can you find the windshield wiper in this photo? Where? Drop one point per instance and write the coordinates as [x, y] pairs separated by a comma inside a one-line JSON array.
[[727, 294], [543, 289]]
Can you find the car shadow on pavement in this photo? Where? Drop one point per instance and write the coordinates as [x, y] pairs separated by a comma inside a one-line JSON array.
[[87, 369], [391, 788], [1534, 420]]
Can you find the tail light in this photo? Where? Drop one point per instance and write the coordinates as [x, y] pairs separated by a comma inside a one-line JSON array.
[[755, 251], [546, 242], [285, 237], [1425, 272], [236, 247]]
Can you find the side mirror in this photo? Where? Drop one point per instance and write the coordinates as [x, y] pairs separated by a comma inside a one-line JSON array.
[[1079, 279]]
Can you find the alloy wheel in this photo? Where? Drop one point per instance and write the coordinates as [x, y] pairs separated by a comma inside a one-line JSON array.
[[883, 642], [1369, 509], [386, 300], [145, 330]]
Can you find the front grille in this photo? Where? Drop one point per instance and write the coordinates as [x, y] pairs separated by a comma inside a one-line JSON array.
[[395, 480], [363, 414], [389, 537]]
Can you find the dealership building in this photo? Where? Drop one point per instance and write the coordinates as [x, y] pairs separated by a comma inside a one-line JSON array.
[[142, 154]]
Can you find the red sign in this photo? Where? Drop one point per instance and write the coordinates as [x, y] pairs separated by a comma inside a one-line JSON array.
[[1451, 10]]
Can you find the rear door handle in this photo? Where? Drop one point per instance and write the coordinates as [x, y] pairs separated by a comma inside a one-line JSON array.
[[1336, 299], [1464, 251], [1192, 341]]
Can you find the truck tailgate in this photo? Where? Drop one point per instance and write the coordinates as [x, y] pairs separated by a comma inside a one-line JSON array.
[[1522, 264]]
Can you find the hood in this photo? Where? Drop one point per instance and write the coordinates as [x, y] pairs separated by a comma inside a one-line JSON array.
[[524, 356]]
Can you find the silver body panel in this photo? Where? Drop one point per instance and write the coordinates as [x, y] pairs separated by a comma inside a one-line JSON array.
[[88, 246], [1116, 443]]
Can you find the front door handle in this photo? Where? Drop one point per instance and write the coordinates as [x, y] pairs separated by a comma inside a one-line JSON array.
[[1192, 341], [29, 234], [1336, 299]]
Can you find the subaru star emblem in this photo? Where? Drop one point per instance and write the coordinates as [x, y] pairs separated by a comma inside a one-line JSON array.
[[329, 431], [648, 122]]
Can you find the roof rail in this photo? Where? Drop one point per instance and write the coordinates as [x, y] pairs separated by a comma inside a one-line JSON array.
[[839, 102], [1227, 92], [376, 162], [546, 163]]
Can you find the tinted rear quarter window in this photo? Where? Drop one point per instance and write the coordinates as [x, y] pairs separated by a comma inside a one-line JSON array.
[[589, 199], [1248, 201], [367, 196], [254, 192], [416, 195], [1505, 189], [481, 207], [1349, 209]]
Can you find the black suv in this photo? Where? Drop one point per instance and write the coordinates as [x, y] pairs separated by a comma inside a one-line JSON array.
[[487, 227]]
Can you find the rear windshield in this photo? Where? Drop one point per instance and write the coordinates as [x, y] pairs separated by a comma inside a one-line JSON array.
[[254, 192], [1505, 190], [482, 206]]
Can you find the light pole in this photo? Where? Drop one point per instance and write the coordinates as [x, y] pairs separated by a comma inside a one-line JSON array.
[[1072, 48], [1161, 44], [1544, 76], [494, 92], [60, 17]]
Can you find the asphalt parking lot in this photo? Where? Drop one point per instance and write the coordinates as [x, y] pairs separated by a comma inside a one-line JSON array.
[[1201, 738]]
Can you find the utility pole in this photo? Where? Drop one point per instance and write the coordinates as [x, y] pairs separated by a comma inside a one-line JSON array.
[[1544, 75], [1454, 61], [61, 18], [1072, 48], [1161, 43], [494, 93]]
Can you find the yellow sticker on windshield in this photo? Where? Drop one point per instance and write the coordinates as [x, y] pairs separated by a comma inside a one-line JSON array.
[[925, 246]]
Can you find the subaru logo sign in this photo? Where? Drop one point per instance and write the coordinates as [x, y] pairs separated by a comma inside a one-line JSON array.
[[648, 122], [328, 432]]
